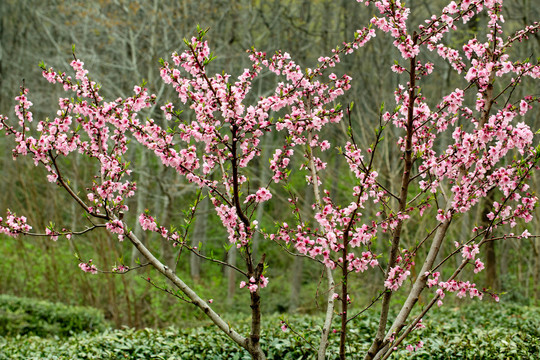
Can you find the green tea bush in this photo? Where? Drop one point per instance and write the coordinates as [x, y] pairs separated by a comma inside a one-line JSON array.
[[24, 316], [477, 331], [481, 331]]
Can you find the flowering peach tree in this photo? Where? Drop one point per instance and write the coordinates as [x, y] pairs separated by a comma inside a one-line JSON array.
[[488, 148]]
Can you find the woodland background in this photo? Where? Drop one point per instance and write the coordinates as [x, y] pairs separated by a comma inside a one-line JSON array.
[[121, 42]]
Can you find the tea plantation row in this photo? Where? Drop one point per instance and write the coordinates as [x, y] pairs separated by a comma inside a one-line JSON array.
[[38, 330]]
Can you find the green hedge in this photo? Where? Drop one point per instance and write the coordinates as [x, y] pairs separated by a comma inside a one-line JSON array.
[[478, 331], [24, 316]]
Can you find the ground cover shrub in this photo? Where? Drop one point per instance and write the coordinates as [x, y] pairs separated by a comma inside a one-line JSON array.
[[480, 331], [25, 316], [466, 332]]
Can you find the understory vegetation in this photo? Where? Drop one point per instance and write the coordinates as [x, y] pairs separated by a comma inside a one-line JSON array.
[[40, 330]]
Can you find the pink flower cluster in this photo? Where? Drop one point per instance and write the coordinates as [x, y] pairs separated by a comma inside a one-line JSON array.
[[470, 251], [478, 266], [337, 226], [461, 288], [22, 109], [115, 226], [13, 225], [89, 125], [88, 267], [229, 218], [279, 163], [419, 345], [120, 269], [434, 278], [262, 195], [399, 273], [147, 222], [394, 20], [253, 284], [52, 234]]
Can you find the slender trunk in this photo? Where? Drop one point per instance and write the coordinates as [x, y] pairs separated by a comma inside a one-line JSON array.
[[420, 283], [253, 342], [394, 251], [492, 280], [492, 273], [331, 284], [418, 287], [535, 244], [254, 345], [384, 355], [321, 355]]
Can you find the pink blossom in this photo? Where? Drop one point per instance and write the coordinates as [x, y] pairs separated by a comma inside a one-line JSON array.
[[120, 269], [88, 267], [395, 278], [263, 195], [263, 282], [115, 226], [469, 252], [53, 234], [147, 222], [523, 107], [478, 266]]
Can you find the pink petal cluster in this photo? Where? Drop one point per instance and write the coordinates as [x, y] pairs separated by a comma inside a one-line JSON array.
[[147, 222], [13, 225], [88, 267], [120, 269], [253, 284], [461, 288]]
